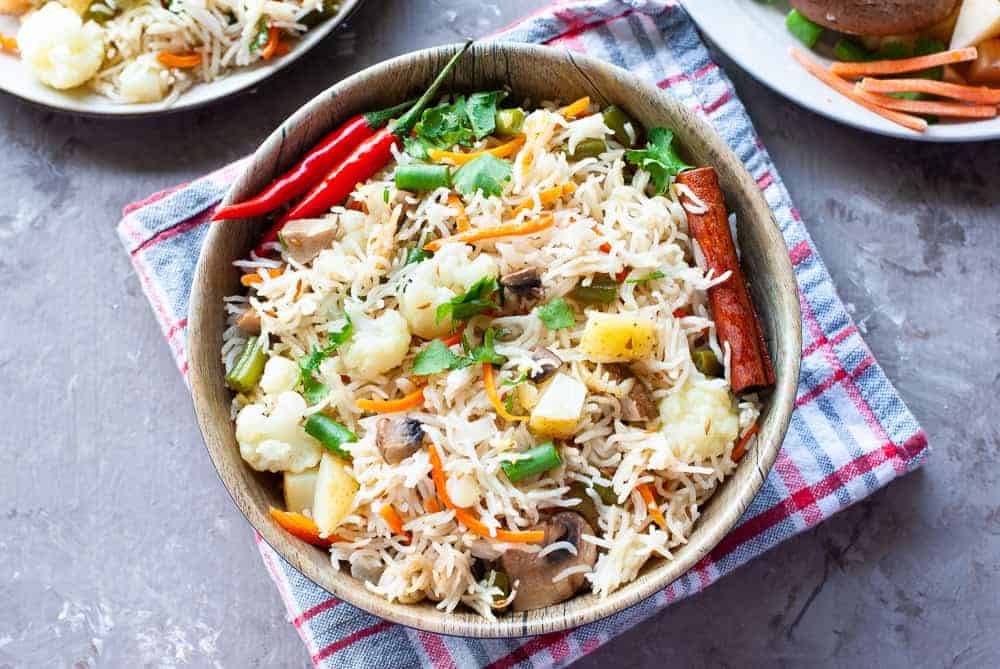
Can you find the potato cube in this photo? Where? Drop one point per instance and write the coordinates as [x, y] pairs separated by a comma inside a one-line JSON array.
[[300, 490], [617, 337], [335, 490], [559, 408]]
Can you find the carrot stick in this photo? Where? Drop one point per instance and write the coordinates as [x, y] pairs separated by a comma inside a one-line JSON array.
[[491, 392], [462, 219], [393, 520], [503, 230], [456, 158], [432, 505], [575, 108], [950, 109], [740, 449], [902, 65], [651, 506], [255, 278], [414, 399], [547, 197], [976, 94], [8, 43], [466, 518], [735, 317], [271, 46], [302, 527], [452, 340], [179, 60], [836, 83]]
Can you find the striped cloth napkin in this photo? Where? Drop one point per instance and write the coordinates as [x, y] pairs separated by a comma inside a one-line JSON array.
[[850, 434]]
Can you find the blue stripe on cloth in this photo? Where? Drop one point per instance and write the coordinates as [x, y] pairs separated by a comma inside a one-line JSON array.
[[835, 451]]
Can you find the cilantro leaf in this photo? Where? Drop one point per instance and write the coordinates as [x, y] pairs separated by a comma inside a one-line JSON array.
[[445, 125], [556, 315], [481, 109], [417, 147], [312, 389], [487, 352], [652, 276], [486, 173], [262, 35], [515, 382], [473, 302], [659, 159], [437, 358], [417, 254]]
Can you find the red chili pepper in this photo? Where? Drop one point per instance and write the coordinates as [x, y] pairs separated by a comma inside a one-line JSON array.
[[331, 150], [364, 161]]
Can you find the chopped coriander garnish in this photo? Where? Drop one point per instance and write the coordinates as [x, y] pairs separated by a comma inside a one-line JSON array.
[[652, 276], [417, 254], [658, 159], [486, 173], [437, 357], [515, 382], [481, 109], [312, 389], [473, 302], [556, 315]]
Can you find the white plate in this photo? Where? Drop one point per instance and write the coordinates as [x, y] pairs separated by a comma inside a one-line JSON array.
[[15, 78], [752, 33]]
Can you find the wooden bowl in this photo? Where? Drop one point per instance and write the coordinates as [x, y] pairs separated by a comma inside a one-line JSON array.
[[540, 73]]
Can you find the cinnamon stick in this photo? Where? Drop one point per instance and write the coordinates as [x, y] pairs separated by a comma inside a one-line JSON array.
[[736, 320]]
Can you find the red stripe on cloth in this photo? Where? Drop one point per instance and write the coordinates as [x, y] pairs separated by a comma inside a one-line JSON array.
[[723, 99], [315, 611], [915, 445], [524, 652], [673, 79], [786, 507], [291, 607], [702, 71], [155, 197], [799, 491], [178, 229], [560, 650], [800, 252], [165, 318], [436, 651], [765, 180], [350, 639]]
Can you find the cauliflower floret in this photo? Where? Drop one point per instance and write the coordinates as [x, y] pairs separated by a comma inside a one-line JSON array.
[[143, 80], [377, 345], [437, 281], [280, 375], [700, 420], [276, 442], [59, 48]]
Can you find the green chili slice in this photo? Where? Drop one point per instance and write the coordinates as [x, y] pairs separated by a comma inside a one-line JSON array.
[[509, 122], [706, 362], [619, 122], [588, 148], [602, 290], [535, 461]]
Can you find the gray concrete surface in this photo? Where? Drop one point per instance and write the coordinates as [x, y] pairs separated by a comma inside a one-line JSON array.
[[119, 546]]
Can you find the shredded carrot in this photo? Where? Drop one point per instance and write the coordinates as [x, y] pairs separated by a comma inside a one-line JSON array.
[[491, 392], [456, 158], [504, 230], [547, 197], [452, 340], [576, 108], [271, 46], [432, 504], [847, 90], [740, 449], [605, 248], [302, 527], [282, 49], [884, 67], [651, 506], [255, 278], [8, 43], [393, 520], [949, 109], [179, 60], [470, 521], [462, 219], [976, 94], [414, 399]]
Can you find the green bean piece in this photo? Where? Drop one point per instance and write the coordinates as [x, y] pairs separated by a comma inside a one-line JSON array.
[[588, 148], [331, 434], [422, 176], [501, 580], [249, 367], [317, 16], [602, 290], [805, 30], [539, 459], [586, 507], [849, 51], [620, 122], [706, 362], [509, 121]]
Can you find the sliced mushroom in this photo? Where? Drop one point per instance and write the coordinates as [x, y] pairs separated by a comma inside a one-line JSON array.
[[524, 284], [546, 364], [306, 237], [638, 406], [249, 322], [534, 575], [398, 437]]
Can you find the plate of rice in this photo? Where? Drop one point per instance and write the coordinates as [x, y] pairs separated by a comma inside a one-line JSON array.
[[142, 57], [493, 363]]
